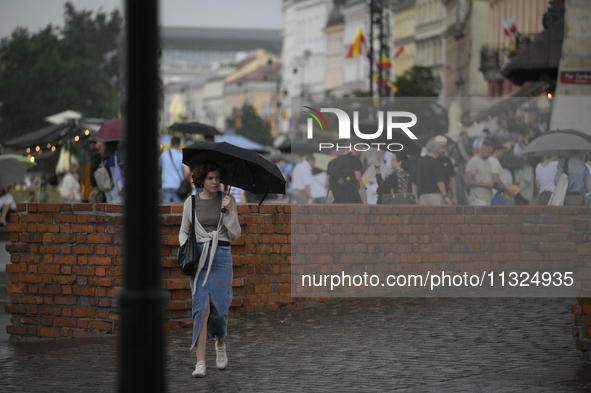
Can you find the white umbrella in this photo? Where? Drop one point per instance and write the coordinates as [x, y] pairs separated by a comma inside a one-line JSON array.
[[63, 162], [11, 171], [556, 144]]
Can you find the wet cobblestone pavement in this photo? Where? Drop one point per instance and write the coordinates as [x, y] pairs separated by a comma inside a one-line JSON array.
[[361, 345]]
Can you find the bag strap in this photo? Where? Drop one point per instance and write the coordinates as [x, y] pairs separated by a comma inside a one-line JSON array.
[[193, 209], [175, 168]]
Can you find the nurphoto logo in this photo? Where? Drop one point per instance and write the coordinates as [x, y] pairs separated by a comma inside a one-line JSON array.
[[391, 120]]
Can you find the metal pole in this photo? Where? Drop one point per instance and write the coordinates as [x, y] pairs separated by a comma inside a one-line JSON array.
[[141, 358], [371, 9], [381, 89]]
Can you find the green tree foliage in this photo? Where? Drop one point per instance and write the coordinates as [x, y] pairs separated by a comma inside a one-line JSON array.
[[99, 36], [249, 124], [57, 69], [417, 81]]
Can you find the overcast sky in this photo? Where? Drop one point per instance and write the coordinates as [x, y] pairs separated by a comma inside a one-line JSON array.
[[37, 14]]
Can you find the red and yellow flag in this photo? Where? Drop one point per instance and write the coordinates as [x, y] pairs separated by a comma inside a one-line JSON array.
[[386, 83], [385, 64], [355, 49], [399, 52]]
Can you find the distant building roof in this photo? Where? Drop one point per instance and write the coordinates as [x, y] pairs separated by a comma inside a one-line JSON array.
[[220, 39], [243, 62], [197, 81], [263, 73]]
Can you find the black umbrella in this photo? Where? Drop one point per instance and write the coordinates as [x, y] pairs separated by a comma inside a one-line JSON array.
[[195, 128], [410, 146], [298, 147], [509, 161], [244, 168]]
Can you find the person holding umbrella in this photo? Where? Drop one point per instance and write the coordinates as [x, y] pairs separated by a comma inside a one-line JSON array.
[[216, 225], [578, 178]]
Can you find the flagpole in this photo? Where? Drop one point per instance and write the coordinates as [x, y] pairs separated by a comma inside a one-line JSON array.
[[382, 90], [370, 55]]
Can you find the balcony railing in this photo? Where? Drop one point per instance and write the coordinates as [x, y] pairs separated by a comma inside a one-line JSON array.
[[493, 58]]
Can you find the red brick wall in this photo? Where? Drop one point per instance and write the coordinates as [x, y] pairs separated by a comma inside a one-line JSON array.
[[66, 259], [582, 310], [66, 267]]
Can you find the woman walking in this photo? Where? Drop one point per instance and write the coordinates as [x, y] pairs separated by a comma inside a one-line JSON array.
[[211, 286], [545, 173], [113, 160]]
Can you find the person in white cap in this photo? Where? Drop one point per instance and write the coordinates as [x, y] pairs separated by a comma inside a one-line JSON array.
[[448, 168]]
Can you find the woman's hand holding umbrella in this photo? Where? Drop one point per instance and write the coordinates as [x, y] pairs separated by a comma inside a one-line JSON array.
[[227, 205]]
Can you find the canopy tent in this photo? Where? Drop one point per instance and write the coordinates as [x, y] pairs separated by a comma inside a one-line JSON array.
[[540, 60], [506, 104], [51, 135]]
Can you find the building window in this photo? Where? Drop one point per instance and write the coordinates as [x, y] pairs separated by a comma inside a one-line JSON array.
[[266, 109]]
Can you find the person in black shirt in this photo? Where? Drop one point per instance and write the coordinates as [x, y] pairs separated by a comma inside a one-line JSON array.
[[428, 182], [397, 181], [343, 178]]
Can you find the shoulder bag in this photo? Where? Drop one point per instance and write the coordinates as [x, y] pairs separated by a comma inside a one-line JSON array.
[[188, 254], [103, 178], [185, 188], [559, 194], [398, 199]]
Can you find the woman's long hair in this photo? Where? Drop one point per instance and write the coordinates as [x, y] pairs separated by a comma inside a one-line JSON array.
[[109, 149]]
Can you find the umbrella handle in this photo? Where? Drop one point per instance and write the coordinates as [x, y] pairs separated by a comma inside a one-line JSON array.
[[224, 210], [263, 198]]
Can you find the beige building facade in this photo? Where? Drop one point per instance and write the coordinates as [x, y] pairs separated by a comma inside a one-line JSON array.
[[403, 33]]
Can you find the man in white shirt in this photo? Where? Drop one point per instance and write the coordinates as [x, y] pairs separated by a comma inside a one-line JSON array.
[[497, 169], [301, 179], [479, 176]]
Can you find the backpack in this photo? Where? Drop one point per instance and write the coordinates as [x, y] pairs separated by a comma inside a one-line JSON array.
[[343, 176], [103, 178]]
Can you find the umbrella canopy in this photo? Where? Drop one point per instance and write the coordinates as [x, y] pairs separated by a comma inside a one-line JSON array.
[[244, 168], [11, 171], [195, 128], [298, 147], [22, 159], [570, 131], [63, 117], [556, 144], [243, 142], [509, 161], [110, 131]]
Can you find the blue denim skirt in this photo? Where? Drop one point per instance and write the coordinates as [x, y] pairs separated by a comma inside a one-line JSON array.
[[218, 290]]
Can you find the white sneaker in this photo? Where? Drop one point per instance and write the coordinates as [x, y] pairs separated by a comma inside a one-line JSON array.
[[199, 370], [221, 359]]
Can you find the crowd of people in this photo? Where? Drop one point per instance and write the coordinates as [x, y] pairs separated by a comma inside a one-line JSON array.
[[485, 171]]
